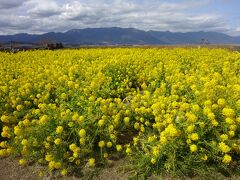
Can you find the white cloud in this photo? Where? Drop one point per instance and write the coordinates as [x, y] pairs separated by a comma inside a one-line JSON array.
[[36, 16], [43, 8], [233, 31]]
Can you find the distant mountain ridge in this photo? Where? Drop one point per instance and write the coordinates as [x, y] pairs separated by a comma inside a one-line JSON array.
[[122, 36]]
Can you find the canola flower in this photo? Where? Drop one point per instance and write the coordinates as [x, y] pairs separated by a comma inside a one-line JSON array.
[[227, 159], [224, 148], [91, 162], [193, 148], [82, 133], [22, 162], [65, 109], [59, 129], [101, 144], [194, 136], [64, 172]]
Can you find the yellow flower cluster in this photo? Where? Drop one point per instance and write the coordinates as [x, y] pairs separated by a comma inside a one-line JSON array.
[[65, 109]]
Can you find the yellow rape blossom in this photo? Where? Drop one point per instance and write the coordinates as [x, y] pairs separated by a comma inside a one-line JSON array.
[[227, 159]]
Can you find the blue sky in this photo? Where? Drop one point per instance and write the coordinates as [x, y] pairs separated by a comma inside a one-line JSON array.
[[40, 16]]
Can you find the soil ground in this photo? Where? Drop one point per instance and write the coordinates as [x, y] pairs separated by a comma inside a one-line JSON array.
[[10, 170]]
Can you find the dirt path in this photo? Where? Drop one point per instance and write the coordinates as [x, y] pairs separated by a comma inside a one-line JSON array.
[[10, 170]]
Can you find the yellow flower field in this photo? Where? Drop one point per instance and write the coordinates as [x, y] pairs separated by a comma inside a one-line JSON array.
[[169, 110]]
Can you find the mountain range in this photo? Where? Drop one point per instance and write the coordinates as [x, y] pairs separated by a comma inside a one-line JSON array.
[[122, 36]]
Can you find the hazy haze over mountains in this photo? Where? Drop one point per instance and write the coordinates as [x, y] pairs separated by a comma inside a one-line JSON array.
[[122, 36]]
